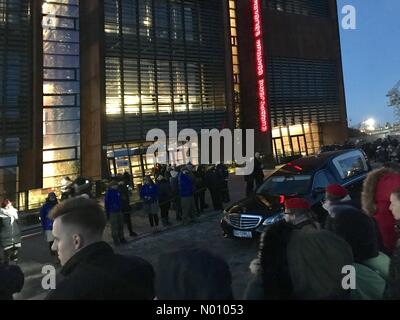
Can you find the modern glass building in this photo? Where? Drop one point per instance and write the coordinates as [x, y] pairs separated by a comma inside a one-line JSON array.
[[83, 81], [15, 90], [291, 79], [93, 77]]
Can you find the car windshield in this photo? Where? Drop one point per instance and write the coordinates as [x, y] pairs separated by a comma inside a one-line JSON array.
[[285, 185]]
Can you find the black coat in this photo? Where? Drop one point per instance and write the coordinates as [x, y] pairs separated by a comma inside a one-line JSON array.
[[164, 192], [354, 226], [97, 273], [124, 198], [11, 281]]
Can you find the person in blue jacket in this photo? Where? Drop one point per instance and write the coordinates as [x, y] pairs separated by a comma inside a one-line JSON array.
[[47, 223], [149, 195], [112, 203]]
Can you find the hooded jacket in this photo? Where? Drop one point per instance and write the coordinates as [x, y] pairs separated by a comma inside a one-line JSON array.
[[375, 198]]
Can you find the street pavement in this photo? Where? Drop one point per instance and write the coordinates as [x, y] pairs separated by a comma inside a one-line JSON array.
[[150, 243]]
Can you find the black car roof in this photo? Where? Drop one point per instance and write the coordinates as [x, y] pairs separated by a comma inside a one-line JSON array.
[[311, 163]]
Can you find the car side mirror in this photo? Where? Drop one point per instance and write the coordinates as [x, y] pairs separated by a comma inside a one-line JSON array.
[[317, 191]]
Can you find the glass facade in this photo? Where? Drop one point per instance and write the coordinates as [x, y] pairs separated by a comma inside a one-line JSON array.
[[300, 139], [318, 8], [302, 91], [235, 63], [61, 89], [15, 92], [164, 60]]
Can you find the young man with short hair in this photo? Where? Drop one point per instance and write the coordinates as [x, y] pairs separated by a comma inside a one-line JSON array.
[[91, 269]]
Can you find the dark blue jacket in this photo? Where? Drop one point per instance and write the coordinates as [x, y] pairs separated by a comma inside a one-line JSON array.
[[47, 223], [149, 193], [186, 187], [112, 201]]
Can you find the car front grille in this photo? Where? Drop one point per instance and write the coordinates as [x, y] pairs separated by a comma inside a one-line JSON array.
[[243, 221]]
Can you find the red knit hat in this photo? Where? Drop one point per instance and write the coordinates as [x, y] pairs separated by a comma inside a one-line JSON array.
[[336, 190], [297, 203]]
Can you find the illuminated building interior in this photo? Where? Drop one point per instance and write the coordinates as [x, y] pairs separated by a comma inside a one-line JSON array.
[[235, 63]]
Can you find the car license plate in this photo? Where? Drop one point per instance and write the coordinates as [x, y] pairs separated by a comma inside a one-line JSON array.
[[242, 234]]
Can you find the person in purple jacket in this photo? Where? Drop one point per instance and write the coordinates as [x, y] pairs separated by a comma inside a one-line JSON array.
[[112, 203], [47, 223]]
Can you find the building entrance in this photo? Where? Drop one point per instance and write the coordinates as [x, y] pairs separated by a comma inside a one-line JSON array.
[[292, 141]]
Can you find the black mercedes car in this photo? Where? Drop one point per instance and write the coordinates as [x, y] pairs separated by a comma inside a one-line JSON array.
[[307, 178]]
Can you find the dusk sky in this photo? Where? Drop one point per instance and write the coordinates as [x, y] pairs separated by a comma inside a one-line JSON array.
[[371, 58]]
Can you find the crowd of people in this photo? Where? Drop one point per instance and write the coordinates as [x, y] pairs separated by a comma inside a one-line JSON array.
[[298, 257], [382, 150]]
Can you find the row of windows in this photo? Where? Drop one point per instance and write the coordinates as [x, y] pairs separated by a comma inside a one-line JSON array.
[[302, 91], [61, 88], [15, 71], [319, 8], [151, 78]]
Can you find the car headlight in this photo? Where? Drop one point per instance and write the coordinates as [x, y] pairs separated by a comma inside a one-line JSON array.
[[274, 219]]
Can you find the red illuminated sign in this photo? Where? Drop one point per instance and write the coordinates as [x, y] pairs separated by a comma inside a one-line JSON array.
[[260, 67]]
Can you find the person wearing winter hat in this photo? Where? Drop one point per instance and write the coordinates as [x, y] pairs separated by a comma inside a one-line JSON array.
[[298, 213], [375, 199], [336, 198], [298, 216], [335, 193], [300, 264]]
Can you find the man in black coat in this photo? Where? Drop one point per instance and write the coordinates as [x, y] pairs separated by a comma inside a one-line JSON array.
[[91, 269], [11, 280], [258, 172]]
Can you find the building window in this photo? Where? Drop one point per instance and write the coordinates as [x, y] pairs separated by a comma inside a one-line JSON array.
[[318, 8], [303, 91], [165, 73], [61, 89]]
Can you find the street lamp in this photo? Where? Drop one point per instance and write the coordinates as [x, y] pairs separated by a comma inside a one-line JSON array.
[[370, 124]]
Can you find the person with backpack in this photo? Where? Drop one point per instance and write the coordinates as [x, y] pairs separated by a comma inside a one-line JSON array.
[[186, 191]]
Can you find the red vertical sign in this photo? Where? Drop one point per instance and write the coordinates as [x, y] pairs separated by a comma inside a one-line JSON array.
[[260, 67]]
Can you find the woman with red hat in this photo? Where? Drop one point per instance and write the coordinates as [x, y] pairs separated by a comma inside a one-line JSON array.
[[298, 218], [298, 213]]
